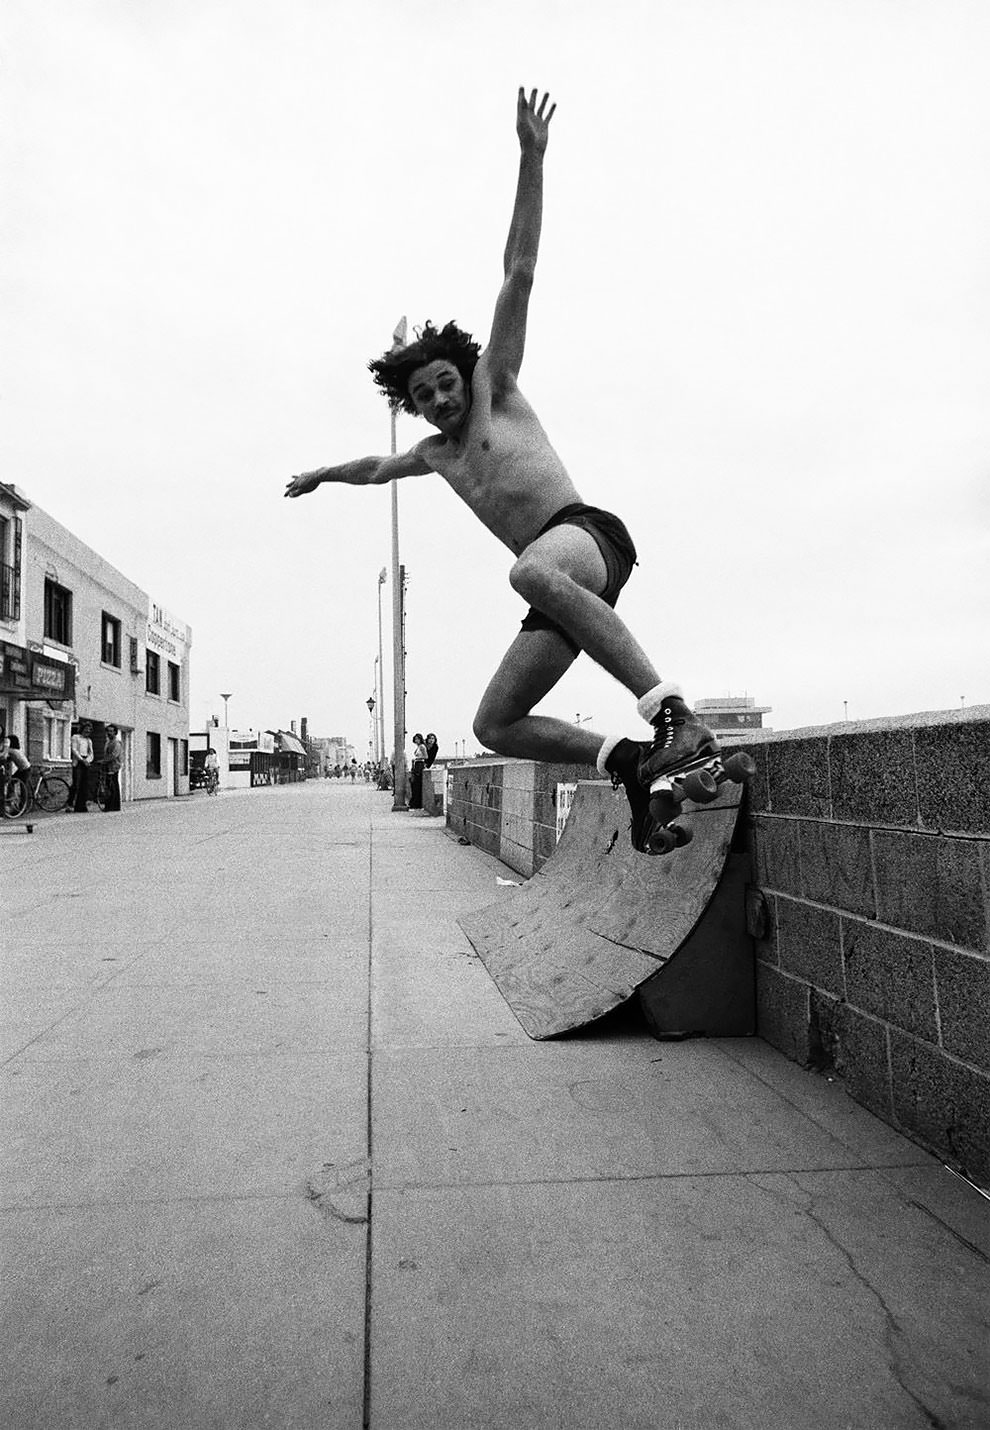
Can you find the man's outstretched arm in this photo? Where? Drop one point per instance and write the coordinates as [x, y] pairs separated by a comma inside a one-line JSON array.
[[362, 472], [508, 336]]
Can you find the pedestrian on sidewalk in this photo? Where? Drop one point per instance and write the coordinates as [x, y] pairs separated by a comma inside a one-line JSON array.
[[82, 759], [419, 758], [113, 755]]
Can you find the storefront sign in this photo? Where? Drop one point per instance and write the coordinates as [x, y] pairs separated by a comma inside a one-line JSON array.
[[167, 635], [31, 676]]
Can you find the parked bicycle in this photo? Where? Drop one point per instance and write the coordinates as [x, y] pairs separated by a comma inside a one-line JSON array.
[[212, 782], [103, 789], [40, 787]]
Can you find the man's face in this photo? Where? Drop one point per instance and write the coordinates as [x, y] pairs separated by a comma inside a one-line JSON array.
[[441, 395]]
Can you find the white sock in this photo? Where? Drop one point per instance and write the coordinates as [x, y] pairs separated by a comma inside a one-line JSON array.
[[648, 705], [608, 746]]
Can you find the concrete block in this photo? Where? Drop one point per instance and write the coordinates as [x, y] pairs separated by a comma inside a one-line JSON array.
[[890, 976], [963, 983], [809, 943], [854, 1046], [944, 1102], [798, 777], [776, 852], [782, 1012], [836, 867], [872, 774], [931, 885], [954, 777]]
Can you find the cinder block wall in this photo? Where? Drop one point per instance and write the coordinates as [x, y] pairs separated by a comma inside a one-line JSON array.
[[508, 807], [870, 905], [871, 910]]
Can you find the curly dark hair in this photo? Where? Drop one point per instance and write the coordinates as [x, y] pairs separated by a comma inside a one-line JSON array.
[[393, 369]]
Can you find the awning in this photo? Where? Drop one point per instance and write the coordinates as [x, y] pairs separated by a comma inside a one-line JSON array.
[[288, 744]]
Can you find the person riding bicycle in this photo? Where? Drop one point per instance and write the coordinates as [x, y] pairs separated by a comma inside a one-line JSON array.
[[12, 758], [211, 766]]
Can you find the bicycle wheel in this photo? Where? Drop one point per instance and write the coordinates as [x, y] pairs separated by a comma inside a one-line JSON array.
[[102, 794], [52, 793], [15, 798]]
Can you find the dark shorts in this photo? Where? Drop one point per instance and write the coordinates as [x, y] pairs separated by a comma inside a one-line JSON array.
[[618, 553]]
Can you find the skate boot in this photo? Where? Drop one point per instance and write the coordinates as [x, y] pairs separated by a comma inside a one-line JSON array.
[[620, 758], [681, 741]]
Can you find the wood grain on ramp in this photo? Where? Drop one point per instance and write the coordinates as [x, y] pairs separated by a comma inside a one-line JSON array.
[[599, 922]]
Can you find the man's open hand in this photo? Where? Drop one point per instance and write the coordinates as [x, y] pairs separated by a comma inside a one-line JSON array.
[[532, 125], [305, 482]]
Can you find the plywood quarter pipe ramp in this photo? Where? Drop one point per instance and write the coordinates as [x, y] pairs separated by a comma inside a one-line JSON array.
[[600, 923]]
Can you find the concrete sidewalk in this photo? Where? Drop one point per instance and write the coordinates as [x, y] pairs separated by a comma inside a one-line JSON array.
[[276, 1153]]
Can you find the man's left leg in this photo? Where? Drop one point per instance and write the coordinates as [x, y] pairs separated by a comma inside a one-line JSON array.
[[530, 668], [562, 574]]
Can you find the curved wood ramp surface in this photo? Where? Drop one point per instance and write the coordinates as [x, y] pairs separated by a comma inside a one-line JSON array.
[[600, 921]]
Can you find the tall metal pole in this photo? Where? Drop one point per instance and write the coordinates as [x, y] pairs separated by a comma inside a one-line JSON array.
[[398, 652], [380, 687]]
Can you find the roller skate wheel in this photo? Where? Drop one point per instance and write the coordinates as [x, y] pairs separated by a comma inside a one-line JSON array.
[[682, 835], [701, 786], [663, 841], [740, 768]]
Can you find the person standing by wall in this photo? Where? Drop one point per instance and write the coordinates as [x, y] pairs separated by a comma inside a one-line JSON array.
[[113, 755], [82, 759], [432, 746], [420, 754]]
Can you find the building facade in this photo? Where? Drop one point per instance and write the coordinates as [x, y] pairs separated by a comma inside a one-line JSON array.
[[90, 645], [731, 712]]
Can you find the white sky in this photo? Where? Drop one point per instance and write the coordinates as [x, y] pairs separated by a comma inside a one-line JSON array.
[[760, 330]]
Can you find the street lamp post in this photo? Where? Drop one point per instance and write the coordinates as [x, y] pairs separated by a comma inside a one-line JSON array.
[[398, 651], [371, 712]]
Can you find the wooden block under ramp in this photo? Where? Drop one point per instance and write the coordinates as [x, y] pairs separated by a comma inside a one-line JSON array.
[[599, 922]]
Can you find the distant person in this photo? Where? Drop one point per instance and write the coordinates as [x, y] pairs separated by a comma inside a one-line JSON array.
[[432, 746], [12, 758], [113, 758], [571, 560], [417, 766], [81, 751], [211, 768]]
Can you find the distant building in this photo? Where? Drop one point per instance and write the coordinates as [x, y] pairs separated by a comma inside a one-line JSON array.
[[79, 641], [732, 712]]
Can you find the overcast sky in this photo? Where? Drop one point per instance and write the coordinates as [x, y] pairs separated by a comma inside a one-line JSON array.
[[760, 330]]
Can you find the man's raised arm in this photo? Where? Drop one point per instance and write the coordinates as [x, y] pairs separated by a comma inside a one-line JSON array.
[[508, 337], [363, 472]]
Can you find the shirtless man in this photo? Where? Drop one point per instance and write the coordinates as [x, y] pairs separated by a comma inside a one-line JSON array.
[[571, 560]]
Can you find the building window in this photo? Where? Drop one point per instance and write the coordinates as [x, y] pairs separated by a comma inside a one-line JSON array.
[[10, 569], [154, 770], [184, 752], [152, 673], [173, 681], [111, 640], [58, 613], [56, 738]]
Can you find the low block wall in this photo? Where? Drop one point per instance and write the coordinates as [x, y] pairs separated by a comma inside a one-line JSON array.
[[509, 807], [870, 905], [871, 911]]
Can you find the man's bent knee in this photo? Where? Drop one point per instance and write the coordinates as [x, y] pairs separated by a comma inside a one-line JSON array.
[[488, 732]]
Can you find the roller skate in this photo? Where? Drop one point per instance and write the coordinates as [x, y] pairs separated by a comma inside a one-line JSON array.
[[620, 758], [683, 762]]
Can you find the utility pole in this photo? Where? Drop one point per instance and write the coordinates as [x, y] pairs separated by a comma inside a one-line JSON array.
[[398, 649]]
